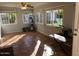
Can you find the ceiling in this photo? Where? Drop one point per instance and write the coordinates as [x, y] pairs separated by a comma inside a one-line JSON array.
[[17, 4]]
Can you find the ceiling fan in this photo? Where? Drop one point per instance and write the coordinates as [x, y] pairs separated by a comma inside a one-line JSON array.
[[25, 5]]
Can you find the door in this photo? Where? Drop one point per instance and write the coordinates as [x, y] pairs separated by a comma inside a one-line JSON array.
[[0, 28], [75, 51]]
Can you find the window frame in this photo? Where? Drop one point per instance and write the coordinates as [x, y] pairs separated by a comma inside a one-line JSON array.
[[52, 17], [28, 14], [9, 23], [55, 18], [38, 18], [47, 11], [42, 17]]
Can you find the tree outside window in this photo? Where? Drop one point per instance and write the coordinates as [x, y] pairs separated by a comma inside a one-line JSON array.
[[8, 18], [54, 17], [58, 17]]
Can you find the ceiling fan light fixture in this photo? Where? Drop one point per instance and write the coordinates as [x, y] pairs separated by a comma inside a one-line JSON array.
[[23, 8], [25, 5]]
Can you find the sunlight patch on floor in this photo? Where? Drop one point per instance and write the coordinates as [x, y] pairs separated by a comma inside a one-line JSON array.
[[14, 39], [36, 48]]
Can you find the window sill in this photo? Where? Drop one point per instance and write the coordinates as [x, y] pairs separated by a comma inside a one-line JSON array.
[[56, 26], [9, 24], [39, 23], [49, 24], [25, 22]]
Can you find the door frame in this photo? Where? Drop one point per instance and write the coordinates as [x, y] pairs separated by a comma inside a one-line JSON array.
[[0, 27], [75, 48]]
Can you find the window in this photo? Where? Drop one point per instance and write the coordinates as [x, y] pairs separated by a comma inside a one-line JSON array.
[[25, 18], [49, 18], [54, 17], [39, 17], [8, 18], [36, 18], [58, 17]]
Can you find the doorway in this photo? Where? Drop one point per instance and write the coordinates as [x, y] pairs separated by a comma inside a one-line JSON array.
[[75, 51]]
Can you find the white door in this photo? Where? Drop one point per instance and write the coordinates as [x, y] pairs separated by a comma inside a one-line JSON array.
[[0, 28], [75, 51]]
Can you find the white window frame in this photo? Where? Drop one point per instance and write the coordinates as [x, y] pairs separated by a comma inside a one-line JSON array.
[[55, 18], [24, 15], [42, 18], [39, 18], [27, 17], [9, 23], [52, 17], [36, 17], [49, 11]]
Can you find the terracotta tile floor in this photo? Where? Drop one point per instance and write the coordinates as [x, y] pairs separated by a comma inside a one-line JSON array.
[[33, 44]]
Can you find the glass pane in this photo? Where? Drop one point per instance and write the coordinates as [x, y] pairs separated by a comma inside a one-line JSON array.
[[36, 17], [49, 17], [26, 17], [41, 17], [8, 18], [58, 17]]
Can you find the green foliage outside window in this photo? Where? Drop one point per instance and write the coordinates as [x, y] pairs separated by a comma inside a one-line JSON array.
[[8, 18], [58, 20]]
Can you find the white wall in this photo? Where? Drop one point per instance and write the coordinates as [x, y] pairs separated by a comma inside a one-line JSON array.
[[14, 27], [69, 10], [68, 18]]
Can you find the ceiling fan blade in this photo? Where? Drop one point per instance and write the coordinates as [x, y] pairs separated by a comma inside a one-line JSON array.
[[23, 4], [28, 5]]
